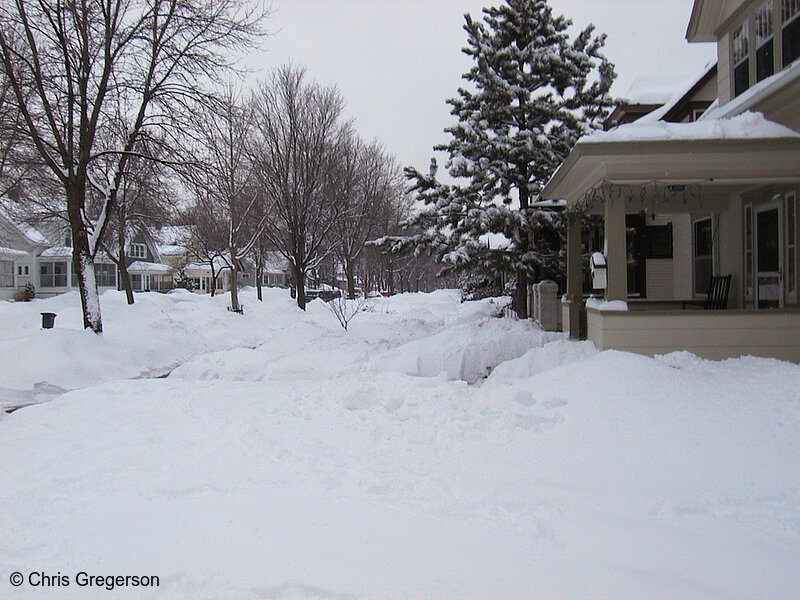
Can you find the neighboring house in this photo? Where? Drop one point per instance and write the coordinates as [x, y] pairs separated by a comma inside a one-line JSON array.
[[718, 191], [41, 255], [276, 270], [176, 248]]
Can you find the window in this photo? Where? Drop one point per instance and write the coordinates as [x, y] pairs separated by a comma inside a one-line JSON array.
[[659, 241], [23, 270], [106, 275], [703, 255], [6, 273], [741, 62], [53, 274], [138, 251], [791, 31], [748, 250], [791, 242], [765, 56]]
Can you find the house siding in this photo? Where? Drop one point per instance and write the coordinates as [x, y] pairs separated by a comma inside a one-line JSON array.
[[714, 335], [724, 80]]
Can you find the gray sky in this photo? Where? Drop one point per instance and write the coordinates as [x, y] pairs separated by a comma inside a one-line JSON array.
[[397, 61]]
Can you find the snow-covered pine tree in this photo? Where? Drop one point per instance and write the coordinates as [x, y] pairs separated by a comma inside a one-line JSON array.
[[532, 94]]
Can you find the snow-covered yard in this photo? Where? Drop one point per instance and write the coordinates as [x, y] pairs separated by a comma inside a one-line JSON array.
[[284, 458]]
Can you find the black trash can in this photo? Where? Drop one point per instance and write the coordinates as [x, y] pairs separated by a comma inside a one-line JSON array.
[[48, 320]]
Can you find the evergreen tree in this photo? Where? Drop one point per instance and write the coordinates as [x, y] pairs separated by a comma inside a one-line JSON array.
[[533, 93]]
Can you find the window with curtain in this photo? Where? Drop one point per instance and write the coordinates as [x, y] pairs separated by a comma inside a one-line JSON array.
[[765, 55]]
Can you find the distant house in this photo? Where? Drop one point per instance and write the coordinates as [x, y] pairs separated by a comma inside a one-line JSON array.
[[693, 190], [41, 255]]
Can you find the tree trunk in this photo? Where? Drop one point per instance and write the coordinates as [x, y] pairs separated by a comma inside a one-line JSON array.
[[83, 261], [214, 276], [520, 299], [299, 285], [351, 279], [235, 286], [124, 276], [259, 275], [390, 278]]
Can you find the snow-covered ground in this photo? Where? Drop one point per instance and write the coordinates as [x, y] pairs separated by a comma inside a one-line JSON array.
[[431, 451]]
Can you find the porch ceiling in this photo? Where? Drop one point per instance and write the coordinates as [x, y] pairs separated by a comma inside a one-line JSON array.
[[721, 167]]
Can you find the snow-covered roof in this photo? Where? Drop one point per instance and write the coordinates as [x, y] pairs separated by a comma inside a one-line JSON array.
[[754, 94], [655, 89], [172, 234], [148, 267], [57, 251], [171, 250], [275, 262], [748, 125], [687, 86], [219, 263], [12, 253], [549, 204], [33, 234]]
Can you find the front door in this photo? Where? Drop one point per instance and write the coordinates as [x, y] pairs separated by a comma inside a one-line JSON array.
[[769, 278]]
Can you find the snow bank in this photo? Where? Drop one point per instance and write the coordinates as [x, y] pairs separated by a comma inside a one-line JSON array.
[[467, 352], [610, 475], [607, 305], [288, 459]]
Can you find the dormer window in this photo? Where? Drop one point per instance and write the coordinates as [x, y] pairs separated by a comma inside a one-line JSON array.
[[765, 55], [741, 63], [791, 31], [138, 251]]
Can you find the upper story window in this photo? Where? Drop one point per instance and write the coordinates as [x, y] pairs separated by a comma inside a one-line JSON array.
[[791, 31], [765, 54], [138, 251], [741, 62]]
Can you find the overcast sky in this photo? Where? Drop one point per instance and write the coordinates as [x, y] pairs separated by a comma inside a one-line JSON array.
[[397, 61]]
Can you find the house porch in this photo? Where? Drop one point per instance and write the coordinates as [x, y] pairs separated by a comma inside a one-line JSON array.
[[731, 209]]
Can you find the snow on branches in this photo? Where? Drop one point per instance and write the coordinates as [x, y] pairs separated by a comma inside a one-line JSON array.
[[530, 95]]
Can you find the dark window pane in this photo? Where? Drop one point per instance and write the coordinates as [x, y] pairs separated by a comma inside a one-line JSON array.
[[767, 241], [791, 42], [764, 61], [660, 241], [703, 270], [702, 238], [741, 78]]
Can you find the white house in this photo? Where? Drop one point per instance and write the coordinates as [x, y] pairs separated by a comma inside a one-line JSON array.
[[730, 178]]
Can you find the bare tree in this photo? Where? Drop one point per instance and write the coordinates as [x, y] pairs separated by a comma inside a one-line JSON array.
[[299, 140], [208, 241], [368, 183], [226, 181], [73, 66], [345, 309], [143, 199]]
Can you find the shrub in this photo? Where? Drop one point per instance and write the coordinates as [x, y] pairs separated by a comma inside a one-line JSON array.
[[25, 294]]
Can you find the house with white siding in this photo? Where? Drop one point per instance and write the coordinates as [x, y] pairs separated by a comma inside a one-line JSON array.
[[714, 195], [40, 255]]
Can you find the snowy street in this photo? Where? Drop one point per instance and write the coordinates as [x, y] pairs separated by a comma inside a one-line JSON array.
[[431, 451]]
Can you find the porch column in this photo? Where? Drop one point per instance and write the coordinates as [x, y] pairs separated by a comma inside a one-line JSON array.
[[616, 249], [572, 306]]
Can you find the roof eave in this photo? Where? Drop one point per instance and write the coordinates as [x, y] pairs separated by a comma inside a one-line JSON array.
[[591, 163], [704, 22]]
